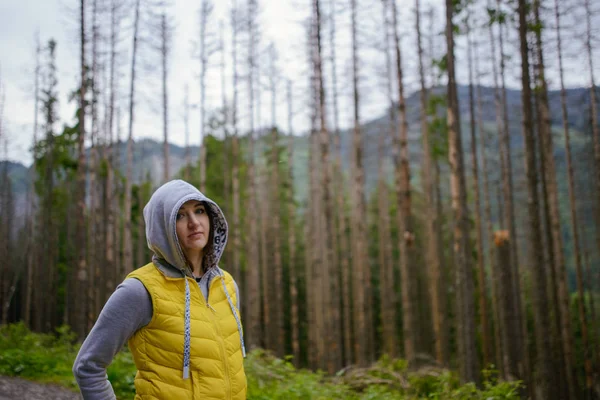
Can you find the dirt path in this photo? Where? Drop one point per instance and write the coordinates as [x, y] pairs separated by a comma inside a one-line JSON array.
[[21, 389]]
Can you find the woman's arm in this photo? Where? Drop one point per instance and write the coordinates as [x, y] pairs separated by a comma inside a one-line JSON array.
[[128, 309]]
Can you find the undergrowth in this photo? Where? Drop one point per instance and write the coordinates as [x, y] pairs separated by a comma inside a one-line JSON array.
[[49, 358]]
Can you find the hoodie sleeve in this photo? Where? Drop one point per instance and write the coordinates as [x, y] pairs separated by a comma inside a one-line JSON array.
[[128, 309]]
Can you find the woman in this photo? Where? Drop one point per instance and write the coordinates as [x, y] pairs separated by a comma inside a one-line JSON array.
[[179, 314]]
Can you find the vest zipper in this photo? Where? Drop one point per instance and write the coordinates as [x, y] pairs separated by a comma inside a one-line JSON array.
[[221, 345]]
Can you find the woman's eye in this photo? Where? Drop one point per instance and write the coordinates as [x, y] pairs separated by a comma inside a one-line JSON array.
[[179, 216], [200, 211]]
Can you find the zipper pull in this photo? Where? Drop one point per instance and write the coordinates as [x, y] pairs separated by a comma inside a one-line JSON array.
[[209, 306]]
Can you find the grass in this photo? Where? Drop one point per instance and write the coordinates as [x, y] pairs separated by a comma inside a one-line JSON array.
[[49, 358]]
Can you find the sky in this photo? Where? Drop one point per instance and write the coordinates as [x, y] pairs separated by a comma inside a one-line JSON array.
[[282, 23]]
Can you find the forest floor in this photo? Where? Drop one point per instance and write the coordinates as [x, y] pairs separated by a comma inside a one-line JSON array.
[[18, 389]]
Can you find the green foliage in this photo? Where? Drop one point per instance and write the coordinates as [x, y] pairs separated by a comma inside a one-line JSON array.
[[121, 374], [438, 126], [496, 16], [49, 358], [390, 379], [42, 357], [272, 378], [441, 65], [58, 153]]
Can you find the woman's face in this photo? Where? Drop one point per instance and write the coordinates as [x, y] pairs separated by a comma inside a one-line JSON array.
[[192, 226]]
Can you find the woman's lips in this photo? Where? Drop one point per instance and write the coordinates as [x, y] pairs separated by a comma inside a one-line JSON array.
[[195, 235]]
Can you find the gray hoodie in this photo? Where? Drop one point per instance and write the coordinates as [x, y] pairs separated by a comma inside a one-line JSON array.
[[129, 308]]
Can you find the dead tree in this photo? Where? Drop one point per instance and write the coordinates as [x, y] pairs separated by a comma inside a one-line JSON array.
[[330, 285], [360, 270], [32, 255], [80, 245], [483, 313], [431, 216], [468, 361], [235, 170], [405, 220], [487, 210], [596, 136], [93, 293], [165, 52], [339, 180], [207, 49], [562, 292], [253, 274], [512, 340], [294, 320], [386, 262], [186, 123], [539, 291], [127, 240], [275, 212]]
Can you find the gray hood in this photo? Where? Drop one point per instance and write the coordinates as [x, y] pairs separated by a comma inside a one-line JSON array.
[[160, 215]]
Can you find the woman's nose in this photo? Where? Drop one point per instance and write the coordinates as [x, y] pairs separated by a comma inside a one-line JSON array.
[[193, 220]]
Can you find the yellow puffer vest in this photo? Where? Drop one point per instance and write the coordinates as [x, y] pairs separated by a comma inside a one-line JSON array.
[[216, 362]]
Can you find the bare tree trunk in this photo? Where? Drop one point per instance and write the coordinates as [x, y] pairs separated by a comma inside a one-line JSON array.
[[236, 268], [330, 284], [93, 220], [110, 192], [141, 242], [5, 212], [596, 136], [521, 337], [386, 263], [253, 274], [127, 240], [483, 313], [82, 278], [32, 255], [405, 224], [360, 268], [8, 208], [227, 142], [548, 247], [344, 246], [432, 217], [164, 52], [488, 219], [548, 241], [275, 213], [186, 122], [593, 102], [118, 231], [292, 233], [9, 272], [266, 281], [45, 310], [591, 305], [512, 341], [316, 269], [312, 255], [469, 368], [205, 13], [562, 312], [539, 300]]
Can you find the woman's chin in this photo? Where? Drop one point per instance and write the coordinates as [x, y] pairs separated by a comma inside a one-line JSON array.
[[195, 246]]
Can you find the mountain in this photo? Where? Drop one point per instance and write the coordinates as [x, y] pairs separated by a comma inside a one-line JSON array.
[[148, 158]]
